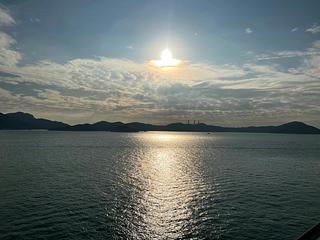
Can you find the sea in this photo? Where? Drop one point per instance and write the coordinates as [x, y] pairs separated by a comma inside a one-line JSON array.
[[158, 185]]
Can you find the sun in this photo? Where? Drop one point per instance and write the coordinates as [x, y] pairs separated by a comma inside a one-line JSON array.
[[166, 55], [166, 59]]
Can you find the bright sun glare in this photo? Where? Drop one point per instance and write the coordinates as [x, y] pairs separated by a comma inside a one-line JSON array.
[[166, 59], [166, 55]]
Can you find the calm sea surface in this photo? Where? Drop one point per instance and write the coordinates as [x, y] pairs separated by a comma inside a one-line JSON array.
[[157, 185]]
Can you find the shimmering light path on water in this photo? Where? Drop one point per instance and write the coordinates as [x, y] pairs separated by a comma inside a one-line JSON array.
[[157, 185]]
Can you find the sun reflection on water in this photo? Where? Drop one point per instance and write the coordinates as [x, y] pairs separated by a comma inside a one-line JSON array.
[[169, 179], [162, 137]]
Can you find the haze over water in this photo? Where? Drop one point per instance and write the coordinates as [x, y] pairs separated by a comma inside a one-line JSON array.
[[157, 185]]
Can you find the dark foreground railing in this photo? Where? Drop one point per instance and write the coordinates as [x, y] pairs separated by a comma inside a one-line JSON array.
[[312, 234]]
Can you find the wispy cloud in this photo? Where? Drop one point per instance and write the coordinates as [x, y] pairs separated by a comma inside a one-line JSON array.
[[34, 20], [315, 28], [5, 18], [8, 56], [248, 30], [313, 51], [295, 29]]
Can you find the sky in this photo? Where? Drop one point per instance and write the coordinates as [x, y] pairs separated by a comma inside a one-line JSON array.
[[242, 62]]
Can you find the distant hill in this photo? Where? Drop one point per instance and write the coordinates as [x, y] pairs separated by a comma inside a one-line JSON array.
[[98, 126], [22, 120], [291, 127]]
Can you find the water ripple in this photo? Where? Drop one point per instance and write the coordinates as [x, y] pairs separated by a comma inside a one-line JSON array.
[[157, 185]]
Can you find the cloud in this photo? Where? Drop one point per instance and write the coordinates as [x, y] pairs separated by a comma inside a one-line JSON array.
[[248, 30], [294, 29], [121, 89], [286, 54], [5, 18], [126, 90], [8, 56], [315, 28], [34, 20], [313, 51]]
